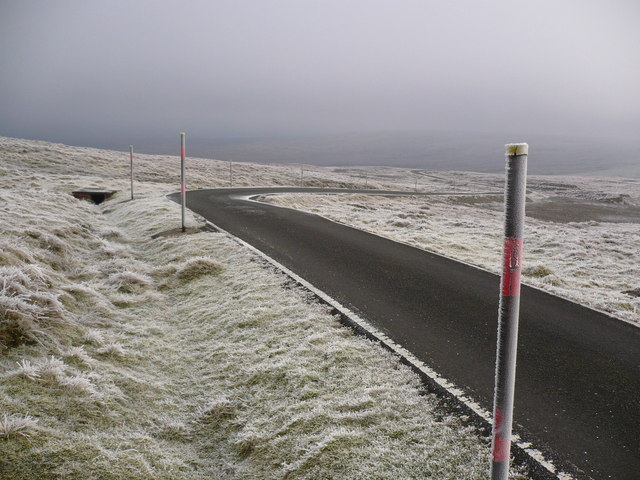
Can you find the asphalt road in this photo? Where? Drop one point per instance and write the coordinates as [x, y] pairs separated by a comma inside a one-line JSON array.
[[578, 376]]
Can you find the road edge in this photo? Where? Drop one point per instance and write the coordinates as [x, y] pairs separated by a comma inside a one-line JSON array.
[[454, 397], [477, 267]]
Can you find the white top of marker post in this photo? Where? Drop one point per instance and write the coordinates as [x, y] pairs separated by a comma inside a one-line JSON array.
[[514, 149]]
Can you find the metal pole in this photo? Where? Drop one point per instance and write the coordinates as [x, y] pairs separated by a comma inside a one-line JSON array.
[[301, 175], [183, 185], [515, 191], [231, 174], [131, 158]]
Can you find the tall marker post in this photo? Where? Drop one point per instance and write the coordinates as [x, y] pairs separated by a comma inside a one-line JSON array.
[[515, 191], [131, 161], [183, 185], [230, 174]]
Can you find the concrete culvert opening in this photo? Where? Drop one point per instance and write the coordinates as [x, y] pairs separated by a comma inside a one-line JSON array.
[[95, 196]]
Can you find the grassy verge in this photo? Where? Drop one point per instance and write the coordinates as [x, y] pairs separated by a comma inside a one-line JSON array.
[[130, 350]]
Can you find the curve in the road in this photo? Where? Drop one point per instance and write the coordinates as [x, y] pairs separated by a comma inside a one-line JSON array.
[[578, 374]]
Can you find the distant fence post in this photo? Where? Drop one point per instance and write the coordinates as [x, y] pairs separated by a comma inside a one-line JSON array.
[[515, 192], [183, 185], [131, 161]]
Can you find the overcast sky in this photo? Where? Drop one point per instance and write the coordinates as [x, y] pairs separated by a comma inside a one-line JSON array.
[[91, 69]]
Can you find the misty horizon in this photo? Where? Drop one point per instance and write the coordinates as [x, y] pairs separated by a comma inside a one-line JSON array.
[[475, 152], [255, 81]]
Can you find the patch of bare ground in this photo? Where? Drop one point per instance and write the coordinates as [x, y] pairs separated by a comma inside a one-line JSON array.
[[567, 210]]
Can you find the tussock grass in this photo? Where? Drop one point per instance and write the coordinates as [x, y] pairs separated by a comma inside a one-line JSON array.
[[197, 267], [25, 369], [130, 282], [27, 307], [77, 355], [14, 426], [112, 348], [538, 270]]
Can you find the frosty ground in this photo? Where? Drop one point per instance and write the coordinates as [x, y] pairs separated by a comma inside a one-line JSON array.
[[131, 350]]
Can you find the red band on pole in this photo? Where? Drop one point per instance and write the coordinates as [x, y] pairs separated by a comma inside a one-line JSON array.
[[183, 188], [511, 266], [183, 151], [500, 444]]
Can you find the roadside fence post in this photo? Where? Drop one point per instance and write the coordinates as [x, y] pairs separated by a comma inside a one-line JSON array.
[[183, 185], [131, 162], [515, 193]]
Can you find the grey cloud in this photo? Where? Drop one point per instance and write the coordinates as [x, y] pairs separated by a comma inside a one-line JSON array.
[[295, 67]]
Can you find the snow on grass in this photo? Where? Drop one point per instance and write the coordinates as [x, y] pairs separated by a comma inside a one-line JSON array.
[[593, 263], [142, 355]]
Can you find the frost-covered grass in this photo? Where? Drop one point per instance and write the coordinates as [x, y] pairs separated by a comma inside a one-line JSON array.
[[129, 353], [14, 426], [84, 167], [595, 263]]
